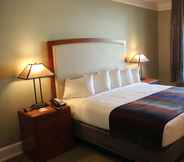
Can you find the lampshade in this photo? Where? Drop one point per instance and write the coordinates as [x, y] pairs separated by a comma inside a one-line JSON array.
[[37, 70], [139, 58]]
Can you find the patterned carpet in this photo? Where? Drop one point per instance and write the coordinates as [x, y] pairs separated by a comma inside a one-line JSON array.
[[81, 153]]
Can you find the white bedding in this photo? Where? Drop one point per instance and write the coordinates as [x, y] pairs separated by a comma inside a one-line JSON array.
[[95, 110]]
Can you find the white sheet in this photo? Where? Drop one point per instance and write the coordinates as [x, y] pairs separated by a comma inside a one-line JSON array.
[[95, 110]]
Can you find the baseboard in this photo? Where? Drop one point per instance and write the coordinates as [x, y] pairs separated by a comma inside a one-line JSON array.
[[10, 151]]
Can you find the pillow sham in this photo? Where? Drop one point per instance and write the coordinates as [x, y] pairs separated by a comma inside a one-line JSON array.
[[78, 88], [101, 81], [115, 78]]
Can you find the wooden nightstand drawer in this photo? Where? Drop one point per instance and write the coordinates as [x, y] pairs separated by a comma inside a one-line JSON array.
[[46, 134], [52, 121], [55, 122]]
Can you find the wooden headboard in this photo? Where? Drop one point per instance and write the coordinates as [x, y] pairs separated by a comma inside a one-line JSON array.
[[98, 47]]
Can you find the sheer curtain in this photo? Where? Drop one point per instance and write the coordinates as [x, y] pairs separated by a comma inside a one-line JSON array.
[[177, 41]]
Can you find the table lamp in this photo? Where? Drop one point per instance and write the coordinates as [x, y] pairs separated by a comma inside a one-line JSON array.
[[33, 72], [140, 59]]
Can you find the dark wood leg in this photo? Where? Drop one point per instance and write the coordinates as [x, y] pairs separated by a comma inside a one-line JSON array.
[[40, 160], [179, 159]]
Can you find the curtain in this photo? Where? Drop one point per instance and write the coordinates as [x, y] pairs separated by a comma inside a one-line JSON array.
[[177, 41]]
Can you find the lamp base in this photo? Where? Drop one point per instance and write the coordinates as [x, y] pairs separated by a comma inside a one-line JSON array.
[[142, 78], [39, 105]]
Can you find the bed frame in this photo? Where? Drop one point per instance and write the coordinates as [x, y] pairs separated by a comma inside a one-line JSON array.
[[102, 138]]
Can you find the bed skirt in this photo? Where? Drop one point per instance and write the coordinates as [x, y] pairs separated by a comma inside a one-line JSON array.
[[125, 148]]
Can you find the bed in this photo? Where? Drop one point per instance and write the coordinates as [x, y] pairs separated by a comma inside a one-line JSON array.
[[73, 57]]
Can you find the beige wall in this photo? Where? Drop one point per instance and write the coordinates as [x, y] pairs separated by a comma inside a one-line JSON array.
[[164, 19], [25, 27]]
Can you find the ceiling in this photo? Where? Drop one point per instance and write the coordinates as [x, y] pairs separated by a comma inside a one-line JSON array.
[[158, 5]]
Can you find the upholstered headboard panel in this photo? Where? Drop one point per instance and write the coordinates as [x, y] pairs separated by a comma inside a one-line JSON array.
[[75, 57]]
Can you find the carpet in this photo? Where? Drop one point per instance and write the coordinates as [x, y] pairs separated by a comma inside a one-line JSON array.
[[81, 153]]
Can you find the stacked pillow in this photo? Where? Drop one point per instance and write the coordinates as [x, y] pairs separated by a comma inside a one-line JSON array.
[[126, 77], [129, 76], [91, 84], [135, 75], [101, 82], [79, 87], [115, 78]]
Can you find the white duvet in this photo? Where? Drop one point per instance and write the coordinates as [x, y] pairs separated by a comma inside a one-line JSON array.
[[95, 110]]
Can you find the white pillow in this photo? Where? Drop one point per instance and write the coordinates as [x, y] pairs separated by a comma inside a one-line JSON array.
[[115, 78], [101, 81], [135, 75], [126, 77], [78, 88]]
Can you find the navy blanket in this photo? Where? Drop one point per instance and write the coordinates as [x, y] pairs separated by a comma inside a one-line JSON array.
[[143, 121]]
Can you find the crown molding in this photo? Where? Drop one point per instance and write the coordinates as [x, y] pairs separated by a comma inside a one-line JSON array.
[[164, 6], [157, 6], [138, 3]]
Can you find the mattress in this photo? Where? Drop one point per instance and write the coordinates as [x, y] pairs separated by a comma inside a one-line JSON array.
[[95, 110]]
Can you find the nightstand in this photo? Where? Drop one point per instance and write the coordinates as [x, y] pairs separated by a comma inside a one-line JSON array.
[[46, 134], [151, 81]]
